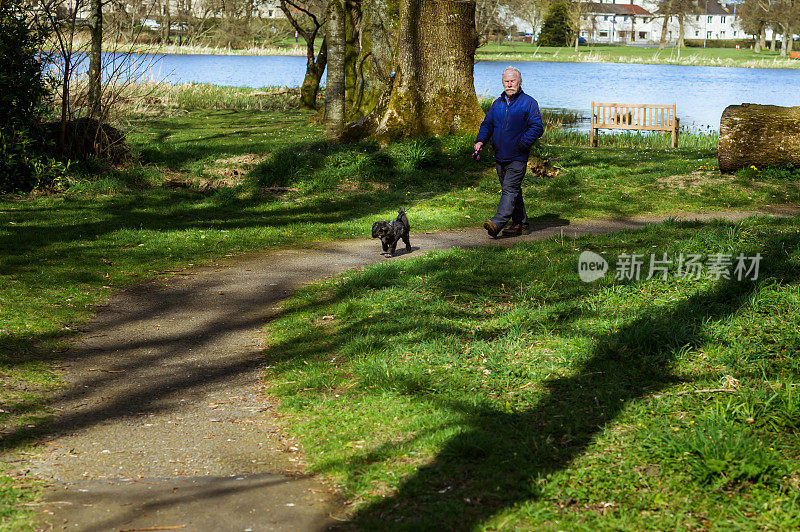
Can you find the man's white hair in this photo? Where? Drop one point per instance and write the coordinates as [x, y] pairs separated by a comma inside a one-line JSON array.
[[515, 69]]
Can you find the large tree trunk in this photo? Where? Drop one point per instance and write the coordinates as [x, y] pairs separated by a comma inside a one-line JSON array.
[[758, 135], [95, 54], [433, 92], [333, 123], [368, 57], [681, 27]]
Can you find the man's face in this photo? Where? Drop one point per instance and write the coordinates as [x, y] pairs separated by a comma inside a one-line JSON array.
[[511, 82]]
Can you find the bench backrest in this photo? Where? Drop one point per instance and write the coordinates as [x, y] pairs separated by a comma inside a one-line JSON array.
[[633, 116]]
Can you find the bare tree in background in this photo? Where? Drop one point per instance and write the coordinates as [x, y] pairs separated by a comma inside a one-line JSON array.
[[786, 16], [665, 10], [753, 18], [576, 10], [307, 19], [531, 11], [95, 57], [59, 20], [85, 96], [487, 18]]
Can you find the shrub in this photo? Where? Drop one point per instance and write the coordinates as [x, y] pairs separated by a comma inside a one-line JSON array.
[[556, 30], [22, 93]]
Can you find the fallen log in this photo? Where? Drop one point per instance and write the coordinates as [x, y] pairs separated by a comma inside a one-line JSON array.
[[758, 135]]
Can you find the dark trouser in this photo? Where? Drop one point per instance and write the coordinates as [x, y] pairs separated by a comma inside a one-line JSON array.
[[511, 206]]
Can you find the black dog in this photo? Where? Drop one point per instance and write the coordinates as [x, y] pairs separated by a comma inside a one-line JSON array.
[[391, 232]]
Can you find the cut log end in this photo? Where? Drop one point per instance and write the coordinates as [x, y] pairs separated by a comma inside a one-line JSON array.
[[758, 135]]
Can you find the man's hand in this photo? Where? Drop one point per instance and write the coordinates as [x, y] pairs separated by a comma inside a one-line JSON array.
[[478, 146]]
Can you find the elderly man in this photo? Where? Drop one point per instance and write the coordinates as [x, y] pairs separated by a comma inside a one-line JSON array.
[[513, 123]]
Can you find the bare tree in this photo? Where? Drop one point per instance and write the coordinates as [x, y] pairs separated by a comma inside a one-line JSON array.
[[576, 10], [531, 11], [307, 19], [487, 18], [753, 18], [786, 16], [59, 21], [665, 8], [95, 57]]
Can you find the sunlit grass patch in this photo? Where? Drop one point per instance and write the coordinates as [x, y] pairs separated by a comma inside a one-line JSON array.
[[493, 388]]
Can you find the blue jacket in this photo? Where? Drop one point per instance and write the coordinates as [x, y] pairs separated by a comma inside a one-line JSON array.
[[513, 127]]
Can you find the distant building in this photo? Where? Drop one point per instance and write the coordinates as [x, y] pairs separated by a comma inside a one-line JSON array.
[[612, 22], [616, 23]]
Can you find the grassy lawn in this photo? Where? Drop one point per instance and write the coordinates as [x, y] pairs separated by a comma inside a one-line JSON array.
[[209, 183], [634, 54], [491, 389]]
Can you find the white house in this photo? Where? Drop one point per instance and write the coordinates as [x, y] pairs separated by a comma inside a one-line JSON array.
[[617, 23], [624, 23]]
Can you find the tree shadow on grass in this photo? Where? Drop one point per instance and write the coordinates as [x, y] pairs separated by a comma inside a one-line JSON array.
[[498, 460]]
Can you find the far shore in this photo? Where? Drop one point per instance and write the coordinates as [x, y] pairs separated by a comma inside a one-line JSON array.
[[513, 51]]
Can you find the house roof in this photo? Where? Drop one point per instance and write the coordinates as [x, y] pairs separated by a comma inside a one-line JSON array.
[[712, 7], [716, 8], [617, 9], [637, 10]]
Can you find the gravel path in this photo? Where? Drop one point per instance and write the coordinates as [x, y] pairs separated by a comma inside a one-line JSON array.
[[165, 423]]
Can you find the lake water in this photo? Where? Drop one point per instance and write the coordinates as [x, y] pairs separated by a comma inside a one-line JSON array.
[[700, 93]]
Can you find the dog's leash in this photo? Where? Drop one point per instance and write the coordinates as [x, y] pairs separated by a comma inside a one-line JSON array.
[[421, 197]]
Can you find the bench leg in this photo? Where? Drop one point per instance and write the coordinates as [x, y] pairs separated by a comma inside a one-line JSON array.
[[593, 134], [675, 133]]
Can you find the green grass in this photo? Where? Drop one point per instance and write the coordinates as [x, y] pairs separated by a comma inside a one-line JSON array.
[[492, 389], [213, 183], [633, 54]]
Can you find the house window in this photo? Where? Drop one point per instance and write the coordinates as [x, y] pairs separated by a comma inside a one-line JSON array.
[[708, 35], [270, 13], [734, 34], [710, 20], [722, 19], [605, 17], [722, 34], [697, 18], [643, 35], [603, 34], [697, 34]]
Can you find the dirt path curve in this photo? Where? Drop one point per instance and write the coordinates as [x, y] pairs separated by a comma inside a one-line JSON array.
[[165, 423]]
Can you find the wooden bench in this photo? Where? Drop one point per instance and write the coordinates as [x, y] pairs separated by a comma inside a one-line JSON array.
[[635, 117]]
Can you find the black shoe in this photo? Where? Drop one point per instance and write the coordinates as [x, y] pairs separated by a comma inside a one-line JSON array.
[[491, 228], [517, 230]]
